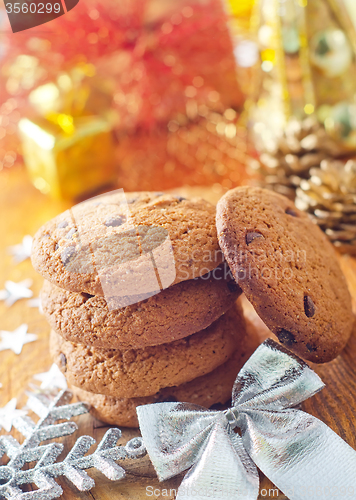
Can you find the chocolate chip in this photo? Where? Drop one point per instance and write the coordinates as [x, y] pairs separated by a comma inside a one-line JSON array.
[[233, 286], [180, 198], [71, 233], [115, 221], [286, 337], [309, 307], [311, 348], [56, 246], [62, 359], [252, 236], [62, 224], [291, 212], [86, 296], [67, 254]]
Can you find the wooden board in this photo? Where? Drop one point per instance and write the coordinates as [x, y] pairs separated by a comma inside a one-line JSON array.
[[22, 211]]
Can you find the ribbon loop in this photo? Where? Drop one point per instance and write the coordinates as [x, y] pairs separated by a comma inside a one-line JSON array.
[[175, 443], [274, 379]]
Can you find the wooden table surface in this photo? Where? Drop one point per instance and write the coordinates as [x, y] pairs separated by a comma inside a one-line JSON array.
[[22, 211]]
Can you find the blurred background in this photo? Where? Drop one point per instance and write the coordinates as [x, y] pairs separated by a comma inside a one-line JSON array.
[[202, 95]]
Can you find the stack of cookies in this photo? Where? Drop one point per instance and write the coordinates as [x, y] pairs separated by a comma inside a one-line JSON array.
[[141, 306]]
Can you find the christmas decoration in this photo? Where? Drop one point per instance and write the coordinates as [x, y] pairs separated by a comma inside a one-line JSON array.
[[329, 195], [63, 157], [176, 65], [16, 291], [36, 302], [303, 145], [210, 150], [307, 67], [73, 465], [9, 142], [22, 251], [16, 340], [79, 92], [53, 379], [8, 414], [144, 63], [296, 451]]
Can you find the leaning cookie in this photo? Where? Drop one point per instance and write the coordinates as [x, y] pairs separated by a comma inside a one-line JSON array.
[[288, 270], [208, 390], [118, 244], [174, 313], [143, 372]]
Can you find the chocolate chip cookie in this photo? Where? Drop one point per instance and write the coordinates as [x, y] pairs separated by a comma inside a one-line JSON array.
[[143, 372], [208, 390], [174, 313], [288, 270], [128, 247]]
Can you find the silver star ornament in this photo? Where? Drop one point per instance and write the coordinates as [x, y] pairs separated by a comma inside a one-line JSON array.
[[16, 291], [53, 379], [9, 413], [16, 340], [36, 302], [22, 251]]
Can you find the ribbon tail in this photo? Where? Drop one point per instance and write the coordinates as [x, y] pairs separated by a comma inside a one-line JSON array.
[[175, 435], [223, 471], [301, 455]]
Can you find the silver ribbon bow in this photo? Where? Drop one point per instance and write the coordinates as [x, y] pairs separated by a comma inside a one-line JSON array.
[[301, 455]]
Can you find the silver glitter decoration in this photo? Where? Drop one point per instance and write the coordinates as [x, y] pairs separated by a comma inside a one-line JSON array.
[[301, 455], [46, 469]]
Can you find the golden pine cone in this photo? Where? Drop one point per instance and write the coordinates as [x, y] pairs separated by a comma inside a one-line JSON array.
[[329, 196], [303, 145]]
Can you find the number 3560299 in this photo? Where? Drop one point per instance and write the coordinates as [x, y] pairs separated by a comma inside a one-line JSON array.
[[32, 8]]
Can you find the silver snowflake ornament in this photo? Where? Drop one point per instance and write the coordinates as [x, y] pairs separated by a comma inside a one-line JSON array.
[[46, 469]]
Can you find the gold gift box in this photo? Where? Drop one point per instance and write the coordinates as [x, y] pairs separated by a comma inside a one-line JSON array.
[[68, 157]]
